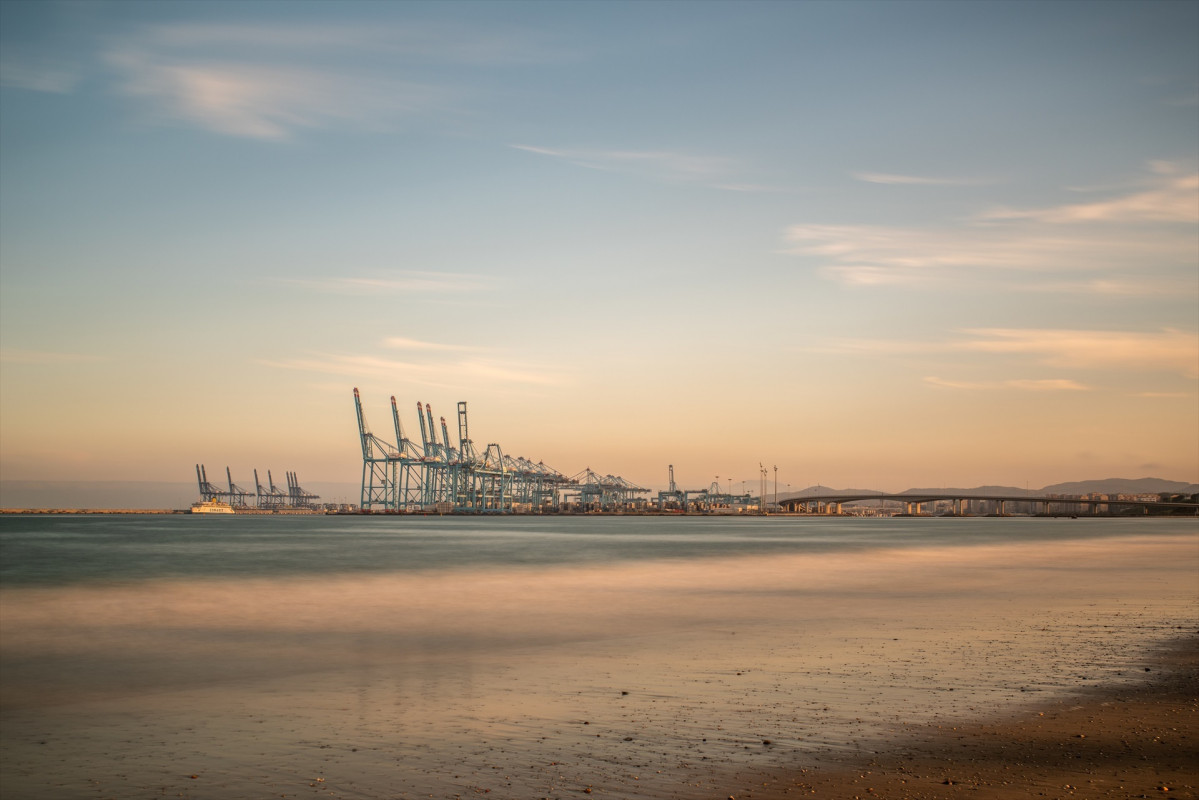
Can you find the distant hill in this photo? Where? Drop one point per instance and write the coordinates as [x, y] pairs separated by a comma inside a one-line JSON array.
[[989, 491], [1123, 486], [1106, 486], [825, 490]]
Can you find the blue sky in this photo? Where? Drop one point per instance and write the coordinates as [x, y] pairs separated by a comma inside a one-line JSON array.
[[875, 244]]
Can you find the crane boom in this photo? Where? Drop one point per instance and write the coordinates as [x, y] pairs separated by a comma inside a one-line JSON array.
[[395, 416], [463, 435]]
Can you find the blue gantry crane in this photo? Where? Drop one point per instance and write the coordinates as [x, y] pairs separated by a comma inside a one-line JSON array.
[[440, 476]]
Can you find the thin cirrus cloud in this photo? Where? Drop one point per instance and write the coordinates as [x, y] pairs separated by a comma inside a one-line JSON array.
[[440, 372], [1055, 239], [38, 74], [868, 255], [1175, 199], [404, 343], [251, 80], [1027, 385], [660, 164], [1168, 350], [267, 102], [414, 281], [44, 357], [911, 180], [426, 41], [1121, 286]]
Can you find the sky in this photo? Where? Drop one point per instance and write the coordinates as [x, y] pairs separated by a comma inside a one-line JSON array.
[[872, 244]]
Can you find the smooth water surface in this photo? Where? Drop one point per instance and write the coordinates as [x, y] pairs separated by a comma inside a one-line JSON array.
[[537, 657], [47, 549]]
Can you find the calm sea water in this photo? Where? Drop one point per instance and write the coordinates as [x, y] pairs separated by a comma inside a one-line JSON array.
[[72, 549], [524, 657]]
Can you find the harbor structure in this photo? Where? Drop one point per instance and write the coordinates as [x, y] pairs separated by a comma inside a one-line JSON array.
[[440, 475], [265, 498]]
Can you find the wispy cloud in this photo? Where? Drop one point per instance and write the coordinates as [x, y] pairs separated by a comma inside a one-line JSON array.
[[913, 180], [257, 81], [266, 102], [1169, 350], [1162, 395], [416, 282], [1026, 385], [17, 356], [425, 42], [38, 75], [404, 343], [1174, 199], [713, 171], [1124, 286], [440, 372], [657, 160], [1046, 241], [870, 254], [752, 188]]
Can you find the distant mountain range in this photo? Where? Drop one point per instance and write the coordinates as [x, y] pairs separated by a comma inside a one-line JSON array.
[[180, 495], [1104, 486]]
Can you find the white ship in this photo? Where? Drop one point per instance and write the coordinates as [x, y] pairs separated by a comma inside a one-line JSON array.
[[211, 507]]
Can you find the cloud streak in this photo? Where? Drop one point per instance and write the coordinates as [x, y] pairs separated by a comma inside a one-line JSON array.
[[1026, 385], [258, 82], [404, 343], [910, 180], [43, 357], [716, 172], [267, 102], [441, 372], [1176, 199], [655, 160], [415, 282], [1168, 351], [1106, 238], [38, 75]]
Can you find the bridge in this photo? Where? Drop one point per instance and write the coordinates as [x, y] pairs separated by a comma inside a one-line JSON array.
[[913, 502]]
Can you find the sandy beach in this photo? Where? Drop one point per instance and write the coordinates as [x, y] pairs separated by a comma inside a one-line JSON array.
[[838, 672], [1133, 740]]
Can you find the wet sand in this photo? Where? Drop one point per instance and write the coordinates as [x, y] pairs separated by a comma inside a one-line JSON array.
[[693, 679], [1127, 741]]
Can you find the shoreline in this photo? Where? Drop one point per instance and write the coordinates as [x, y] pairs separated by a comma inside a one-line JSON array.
[[251, 512], [1123, 740]]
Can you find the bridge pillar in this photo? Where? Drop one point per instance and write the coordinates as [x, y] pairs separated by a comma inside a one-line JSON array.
[[837, 506], [1002, 506], [1045, 508]]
